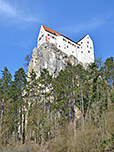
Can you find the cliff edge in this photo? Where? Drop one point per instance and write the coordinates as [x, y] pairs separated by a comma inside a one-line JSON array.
[[49, 57]]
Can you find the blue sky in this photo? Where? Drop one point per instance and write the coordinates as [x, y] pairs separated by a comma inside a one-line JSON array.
[[20, 21]]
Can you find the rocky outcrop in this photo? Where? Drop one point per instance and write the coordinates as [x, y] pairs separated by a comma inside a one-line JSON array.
[[47, 56]]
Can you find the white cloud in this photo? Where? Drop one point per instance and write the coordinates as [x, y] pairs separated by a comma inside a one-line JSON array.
[[91, 24], [9, 11], [6, 9]]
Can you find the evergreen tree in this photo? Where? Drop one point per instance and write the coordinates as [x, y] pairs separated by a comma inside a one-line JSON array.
[[5, 84], [36, 109], [18, 87], [62, 87]]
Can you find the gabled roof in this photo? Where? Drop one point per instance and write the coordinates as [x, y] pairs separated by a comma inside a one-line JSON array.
[[56, 33], [82, 38], [51, 31]]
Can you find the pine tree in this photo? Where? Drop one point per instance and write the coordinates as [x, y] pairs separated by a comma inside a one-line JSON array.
[[5, 83], [18, 87], [32, 100]]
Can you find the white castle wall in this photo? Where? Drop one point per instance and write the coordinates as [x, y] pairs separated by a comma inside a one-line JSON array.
[[86, 51], [82, 50], [66, 45]]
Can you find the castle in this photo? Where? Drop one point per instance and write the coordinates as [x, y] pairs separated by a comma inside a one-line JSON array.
[[83, 50], [55, 50]]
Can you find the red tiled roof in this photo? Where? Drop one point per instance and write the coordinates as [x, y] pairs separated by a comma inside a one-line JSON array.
[[51, 31], [56, 33]]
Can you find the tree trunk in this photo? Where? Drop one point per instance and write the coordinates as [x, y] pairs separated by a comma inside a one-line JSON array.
[[74, 117], [74, 110], [21, 128], [24, 128], [1, 119], [82, 107]]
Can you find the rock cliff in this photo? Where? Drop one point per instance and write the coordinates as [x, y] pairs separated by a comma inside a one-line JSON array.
[[47, 56]]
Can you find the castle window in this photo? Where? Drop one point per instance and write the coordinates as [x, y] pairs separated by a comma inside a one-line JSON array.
[[88, 51], [81, 42], [87, 46], [78, 47], [48, 34], [90, 47], [72, 51], [69, 42], [59, 46], [81, 51], [64, 47], [67, 46], [64, 40], [40, 38], [53, 37], [72, 44], [88, 42]]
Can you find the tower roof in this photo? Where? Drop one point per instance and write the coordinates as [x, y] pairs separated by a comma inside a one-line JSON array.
[[83, 38]]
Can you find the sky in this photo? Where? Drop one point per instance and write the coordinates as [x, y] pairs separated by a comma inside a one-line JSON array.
[[20, 21]]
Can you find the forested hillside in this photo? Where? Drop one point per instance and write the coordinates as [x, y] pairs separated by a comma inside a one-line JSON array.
[[72, 112]]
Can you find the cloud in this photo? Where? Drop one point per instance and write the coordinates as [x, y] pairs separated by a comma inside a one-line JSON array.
[[87, 25], [91, 24], [5, 8], [8, 10]]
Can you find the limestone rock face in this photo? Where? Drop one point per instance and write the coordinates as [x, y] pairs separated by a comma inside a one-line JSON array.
[[47, 56]]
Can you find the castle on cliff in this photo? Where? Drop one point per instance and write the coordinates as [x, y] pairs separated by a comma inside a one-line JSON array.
[[83, 50]]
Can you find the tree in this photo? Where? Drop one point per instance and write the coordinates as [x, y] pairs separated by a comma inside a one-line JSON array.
[[18, 87], [109, 70], [5, 83]]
